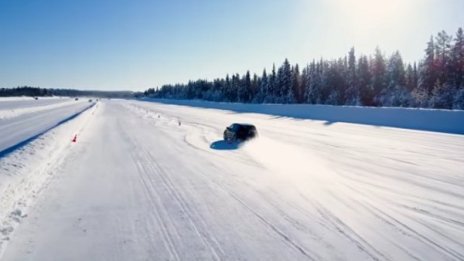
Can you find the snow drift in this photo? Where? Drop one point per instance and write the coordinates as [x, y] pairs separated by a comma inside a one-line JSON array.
[[448, 121]]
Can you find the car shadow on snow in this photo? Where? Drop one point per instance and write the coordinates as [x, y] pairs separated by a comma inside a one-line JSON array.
[[224, 145]]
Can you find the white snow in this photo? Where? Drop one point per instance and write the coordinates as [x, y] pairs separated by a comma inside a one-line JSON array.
[[28, 99], [149, 181], [15, 108], [30, 121], [25, 172], [448, 121], [11, 103]]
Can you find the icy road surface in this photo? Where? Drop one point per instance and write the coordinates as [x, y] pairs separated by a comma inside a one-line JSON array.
[[30, 120], [147, 181], [12, 103]]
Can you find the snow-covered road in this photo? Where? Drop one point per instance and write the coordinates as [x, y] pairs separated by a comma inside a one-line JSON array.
[[149, 181], [28, 121], [23, 102]]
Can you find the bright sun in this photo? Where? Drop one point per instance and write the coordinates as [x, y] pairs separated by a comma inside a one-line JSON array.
[[370, 12]]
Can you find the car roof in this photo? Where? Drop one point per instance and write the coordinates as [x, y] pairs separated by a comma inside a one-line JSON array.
[[244, 124]]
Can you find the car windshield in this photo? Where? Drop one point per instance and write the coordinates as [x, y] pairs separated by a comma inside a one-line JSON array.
[[233, 127]]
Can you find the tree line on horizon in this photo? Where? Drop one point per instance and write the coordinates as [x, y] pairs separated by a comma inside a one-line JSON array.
[[437, 81], [44, 92]]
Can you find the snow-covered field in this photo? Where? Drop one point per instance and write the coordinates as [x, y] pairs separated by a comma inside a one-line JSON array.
[[150, 181]]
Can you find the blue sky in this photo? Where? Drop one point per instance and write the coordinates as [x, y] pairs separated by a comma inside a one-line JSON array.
[[134, 45]]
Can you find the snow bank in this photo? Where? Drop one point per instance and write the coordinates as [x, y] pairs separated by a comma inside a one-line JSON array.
[[25, 172], [448, 121], [15, 131], [27, 98], [18, 108]]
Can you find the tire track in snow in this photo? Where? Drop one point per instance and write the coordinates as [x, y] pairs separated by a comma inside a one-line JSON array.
[[268, 224], [334, 223], [155, 200], [188, 138], [419, 236], [163, 223], [402, 227], [409, 231], [365, 185], [272, 227], [397, 225], [349, 233], [148, 166], [387, 176], [207, 238], [287, 239]]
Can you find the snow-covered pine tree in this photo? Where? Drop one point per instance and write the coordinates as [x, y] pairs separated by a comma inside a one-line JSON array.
[[273, 90], [263, 89], [352, 90], [442, 95], [365, 82], [427, 74], [296, 93], [457, 69], [284, 82], [379, 79], [395, 93]]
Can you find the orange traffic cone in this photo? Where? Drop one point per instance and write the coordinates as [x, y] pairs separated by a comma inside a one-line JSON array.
[[75, 138]]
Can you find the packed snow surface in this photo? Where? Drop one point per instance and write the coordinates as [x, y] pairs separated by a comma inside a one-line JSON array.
[[150, 181], [21, 123], [12, 103]]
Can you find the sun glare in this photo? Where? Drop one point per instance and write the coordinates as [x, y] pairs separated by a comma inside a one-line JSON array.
[[370, 13]]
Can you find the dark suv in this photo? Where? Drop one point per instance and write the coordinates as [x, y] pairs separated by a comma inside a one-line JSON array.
[[240, 132]]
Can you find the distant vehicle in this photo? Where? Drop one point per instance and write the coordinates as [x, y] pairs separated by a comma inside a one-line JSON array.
[[238, 132], [36, 98], [90, 100], [76, 99]]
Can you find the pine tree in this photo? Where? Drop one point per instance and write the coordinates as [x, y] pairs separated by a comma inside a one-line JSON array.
[[255, 83], [297, 90], [325, 88], [442, 95], [273, 90], [459, 100], [409, 77], [443, 90], [442, 52], [228, 89], [235, 85], [379, 81], [244, 93], [284, 80], [352, 92], [365, 82], [395, 94], [457, 60], [436, 81], [315, 83], [263, 89], [428, 76], [312, 83], [304, 83], [457, 69]]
